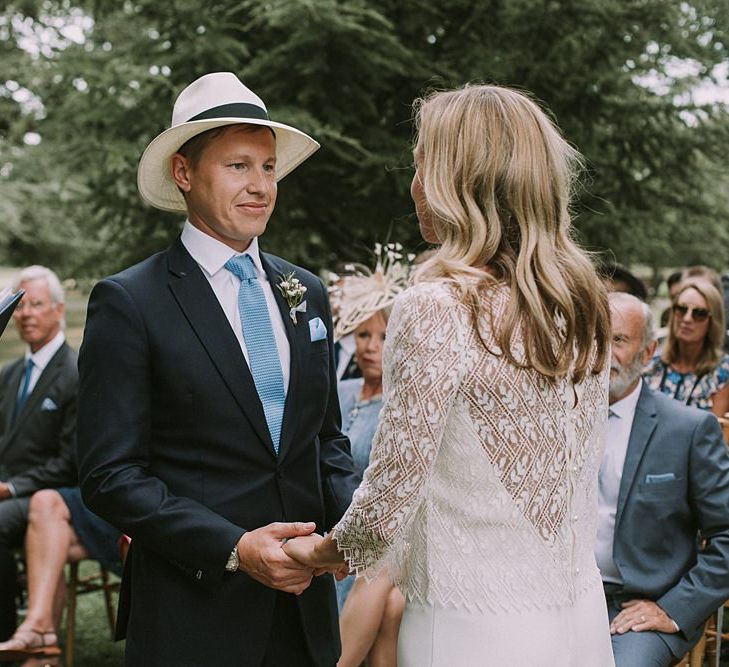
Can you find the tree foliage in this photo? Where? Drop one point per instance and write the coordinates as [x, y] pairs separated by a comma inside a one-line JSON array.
[[347, 71]]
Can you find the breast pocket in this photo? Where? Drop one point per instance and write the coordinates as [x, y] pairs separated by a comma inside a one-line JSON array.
[[49, 413], [657, 491], [315, 367]]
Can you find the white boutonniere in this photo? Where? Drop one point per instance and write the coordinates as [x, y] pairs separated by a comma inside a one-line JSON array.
[[293, 292]]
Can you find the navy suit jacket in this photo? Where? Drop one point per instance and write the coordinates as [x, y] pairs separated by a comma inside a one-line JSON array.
[[174, 450], [37, 448], [657, 522]]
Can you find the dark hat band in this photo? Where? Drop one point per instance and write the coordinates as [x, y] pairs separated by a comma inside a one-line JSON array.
[[235, 110]]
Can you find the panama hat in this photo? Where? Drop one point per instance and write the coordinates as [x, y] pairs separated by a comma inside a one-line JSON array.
[[213, 100]]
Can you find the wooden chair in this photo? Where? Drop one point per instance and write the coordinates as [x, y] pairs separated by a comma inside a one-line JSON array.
[[715, 637], [79, 585], [695, 657]]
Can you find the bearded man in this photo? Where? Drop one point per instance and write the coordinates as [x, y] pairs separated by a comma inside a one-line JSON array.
[[664, 483]]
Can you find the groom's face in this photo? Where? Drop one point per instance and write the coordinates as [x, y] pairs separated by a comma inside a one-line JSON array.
[[230, 188]]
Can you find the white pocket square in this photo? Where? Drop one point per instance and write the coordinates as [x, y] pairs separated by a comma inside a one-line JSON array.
[[317, 330], [48, 404]]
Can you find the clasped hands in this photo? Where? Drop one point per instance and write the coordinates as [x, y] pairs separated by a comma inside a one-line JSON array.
[[287, 556]]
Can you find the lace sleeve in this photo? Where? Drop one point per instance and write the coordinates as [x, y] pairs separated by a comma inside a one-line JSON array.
[[423, 366]]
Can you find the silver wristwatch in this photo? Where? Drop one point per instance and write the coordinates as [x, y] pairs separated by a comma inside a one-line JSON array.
[[233, 561]]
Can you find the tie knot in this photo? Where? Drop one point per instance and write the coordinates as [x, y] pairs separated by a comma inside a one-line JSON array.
[[242, 266], [29, 365]]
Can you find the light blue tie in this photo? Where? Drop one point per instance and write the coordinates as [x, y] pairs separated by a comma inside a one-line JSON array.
[[24, 391], [260, 342]]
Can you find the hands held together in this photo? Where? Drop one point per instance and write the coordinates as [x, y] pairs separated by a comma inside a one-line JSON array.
[[286, 556]]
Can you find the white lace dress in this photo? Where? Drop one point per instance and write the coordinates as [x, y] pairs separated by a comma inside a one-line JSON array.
[[481, 495]]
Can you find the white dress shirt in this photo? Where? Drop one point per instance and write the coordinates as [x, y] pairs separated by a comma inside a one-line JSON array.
[[617, 436], [211, 255], [41, 359], [347, 347]]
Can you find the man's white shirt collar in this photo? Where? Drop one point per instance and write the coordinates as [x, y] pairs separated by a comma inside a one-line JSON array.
[[45, 354], [212, 254], [625, 407]]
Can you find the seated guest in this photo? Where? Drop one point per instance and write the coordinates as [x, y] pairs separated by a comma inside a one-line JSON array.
[[346, 366], [618, 279], [707, 273], [37, 419], [664, 477], [701, 271], [60, 530], [370, 612], [673, 283], [692, 366]]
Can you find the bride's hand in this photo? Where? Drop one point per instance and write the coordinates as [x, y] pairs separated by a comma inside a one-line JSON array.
[[303, 549], [319, 553]]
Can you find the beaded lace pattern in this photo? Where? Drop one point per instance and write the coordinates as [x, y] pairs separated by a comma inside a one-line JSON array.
[[481, 491]]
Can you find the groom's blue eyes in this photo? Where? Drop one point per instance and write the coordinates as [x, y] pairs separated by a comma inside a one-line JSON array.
[[239, 166]]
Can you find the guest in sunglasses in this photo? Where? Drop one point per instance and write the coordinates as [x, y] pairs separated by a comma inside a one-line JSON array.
[[692, 366]]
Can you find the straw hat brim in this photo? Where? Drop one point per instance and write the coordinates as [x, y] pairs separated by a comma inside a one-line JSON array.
[[154, 177]]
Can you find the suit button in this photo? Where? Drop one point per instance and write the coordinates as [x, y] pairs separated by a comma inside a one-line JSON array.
[[279, 474], [198, 575]]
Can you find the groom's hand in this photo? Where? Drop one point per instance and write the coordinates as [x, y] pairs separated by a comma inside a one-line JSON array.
[[303, 550], [263, 559]]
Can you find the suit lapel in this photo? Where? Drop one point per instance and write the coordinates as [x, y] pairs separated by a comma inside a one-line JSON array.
[[9, 400], [294, 334], [47, 377], [11, 394], [644, 423], [198, 302]]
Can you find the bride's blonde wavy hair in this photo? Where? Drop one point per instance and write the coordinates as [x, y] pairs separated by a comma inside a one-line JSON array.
[[497, 177]]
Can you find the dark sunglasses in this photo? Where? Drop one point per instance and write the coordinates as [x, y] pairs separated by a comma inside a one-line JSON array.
[[697, 314]]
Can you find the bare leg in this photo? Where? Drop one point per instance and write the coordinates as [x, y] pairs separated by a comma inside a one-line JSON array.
[[59, 601], [361, 618], [49, 542], [384, 649]]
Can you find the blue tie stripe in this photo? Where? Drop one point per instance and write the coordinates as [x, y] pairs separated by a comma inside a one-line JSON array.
[[24, 391], [260, 343]]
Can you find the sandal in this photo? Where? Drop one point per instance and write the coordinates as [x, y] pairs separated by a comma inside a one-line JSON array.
[[28, 643]]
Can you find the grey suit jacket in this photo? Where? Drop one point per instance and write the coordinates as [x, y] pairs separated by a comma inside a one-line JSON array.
[[37, 449], [675, 484]]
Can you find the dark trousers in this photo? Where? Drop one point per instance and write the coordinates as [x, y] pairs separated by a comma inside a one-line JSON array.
[[8, 591], [13, 522], [292, 651]]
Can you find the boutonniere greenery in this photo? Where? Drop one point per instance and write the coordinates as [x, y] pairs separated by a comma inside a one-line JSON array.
[[293, 292]]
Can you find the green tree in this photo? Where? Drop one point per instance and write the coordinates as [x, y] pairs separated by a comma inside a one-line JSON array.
[[347, 71]]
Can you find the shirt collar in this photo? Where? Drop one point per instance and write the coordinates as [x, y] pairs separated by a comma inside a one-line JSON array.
[[212, 254], [625, 407], [45, 354]]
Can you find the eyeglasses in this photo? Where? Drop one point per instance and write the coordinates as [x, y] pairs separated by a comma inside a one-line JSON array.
[[32, 306], [697, 314]]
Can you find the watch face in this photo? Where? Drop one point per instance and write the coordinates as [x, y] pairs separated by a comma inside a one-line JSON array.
[[233, 561]]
